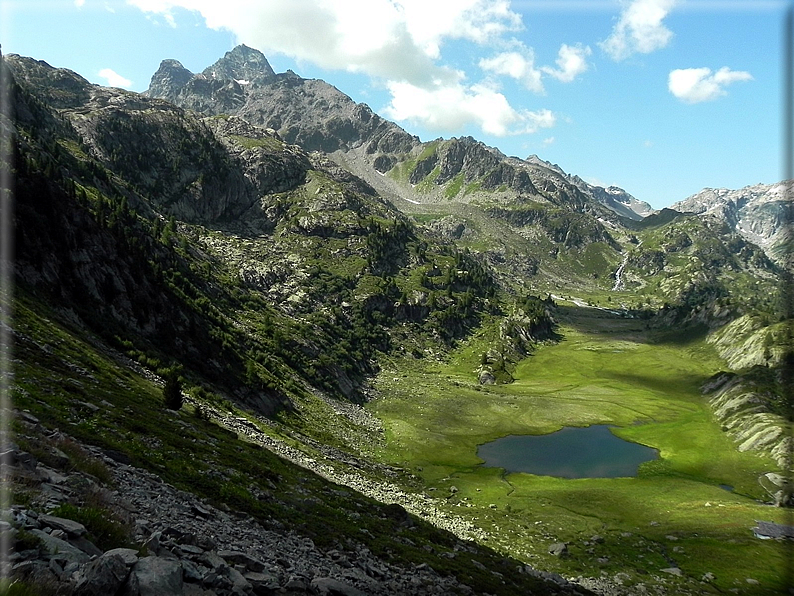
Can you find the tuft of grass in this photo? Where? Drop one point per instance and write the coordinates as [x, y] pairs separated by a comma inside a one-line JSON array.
[[15, 587], [83, 461], [104, 528]]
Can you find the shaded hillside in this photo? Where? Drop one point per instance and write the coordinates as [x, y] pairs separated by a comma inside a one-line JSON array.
[[220, 247]]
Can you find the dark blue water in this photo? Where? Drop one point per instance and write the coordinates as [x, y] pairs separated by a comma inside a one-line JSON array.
[[589, 452]]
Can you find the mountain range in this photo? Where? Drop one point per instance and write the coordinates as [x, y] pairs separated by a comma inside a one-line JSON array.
[[280, 254], [757, 212]]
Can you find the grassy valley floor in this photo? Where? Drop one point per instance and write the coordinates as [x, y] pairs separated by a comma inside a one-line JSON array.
[[674, 516]]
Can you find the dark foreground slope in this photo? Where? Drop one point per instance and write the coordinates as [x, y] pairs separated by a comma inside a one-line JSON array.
[[202, 510]]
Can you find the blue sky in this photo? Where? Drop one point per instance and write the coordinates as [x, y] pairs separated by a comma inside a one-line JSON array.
[[659, 97]]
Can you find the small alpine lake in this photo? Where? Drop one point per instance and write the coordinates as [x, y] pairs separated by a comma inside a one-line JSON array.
[[571, 452]]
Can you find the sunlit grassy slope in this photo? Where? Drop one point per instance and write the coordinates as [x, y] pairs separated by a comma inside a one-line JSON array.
[[605, 370]]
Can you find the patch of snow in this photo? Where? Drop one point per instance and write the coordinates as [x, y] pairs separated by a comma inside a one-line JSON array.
[[242, 82]]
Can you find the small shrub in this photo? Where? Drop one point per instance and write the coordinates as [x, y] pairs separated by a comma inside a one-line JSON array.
[[82, 461], [172, 390], [24, 540]]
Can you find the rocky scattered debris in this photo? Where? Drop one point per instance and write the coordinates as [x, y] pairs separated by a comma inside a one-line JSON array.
[[182, 545], [190, 547], [386, 492]]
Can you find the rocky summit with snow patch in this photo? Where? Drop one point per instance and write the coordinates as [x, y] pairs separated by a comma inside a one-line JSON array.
[[756, 212]]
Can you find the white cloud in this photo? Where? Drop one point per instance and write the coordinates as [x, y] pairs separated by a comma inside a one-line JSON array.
[[391, 39], [398, 42], [520, 66], [571, 62], [639, 29], [479, 21], [114, 79], [79, 3], [453, 106], [548, 141], [694, 85]]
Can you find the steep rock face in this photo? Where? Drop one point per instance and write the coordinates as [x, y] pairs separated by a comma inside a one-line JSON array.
[[60, 88], [619, 201], [169, 80], [165, 153], [317, 116], [747, 407], [612, 197], [242, 64], [756, 212], [465, 170], [309, 113], [268, 163]]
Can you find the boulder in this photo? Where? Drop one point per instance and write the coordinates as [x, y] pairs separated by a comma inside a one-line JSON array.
[[128, 555], [237, 579], [559, 549], [331, 587], [72, 528], [155, 576], [63, 549], [262, 583], [486, 377], [778, 487], [102, 576], [85, 545], [240, 558]]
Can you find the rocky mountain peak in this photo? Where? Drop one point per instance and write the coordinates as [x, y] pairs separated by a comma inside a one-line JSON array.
[[169, 79], [756, 212], [242, 64]]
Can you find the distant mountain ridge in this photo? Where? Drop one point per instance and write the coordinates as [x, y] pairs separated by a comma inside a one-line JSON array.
[[756, 212], [317, 116], [613, 197]]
